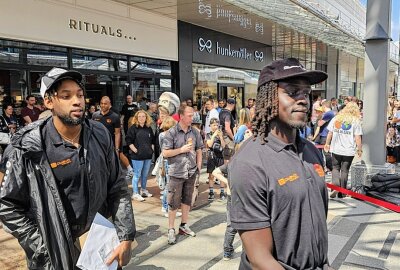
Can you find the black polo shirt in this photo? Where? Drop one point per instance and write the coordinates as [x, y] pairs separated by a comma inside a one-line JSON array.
[[275, 186], [110, 120], [69, 169]]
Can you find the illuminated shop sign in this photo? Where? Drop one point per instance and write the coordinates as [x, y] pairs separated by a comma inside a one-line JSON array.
[[227, 50]]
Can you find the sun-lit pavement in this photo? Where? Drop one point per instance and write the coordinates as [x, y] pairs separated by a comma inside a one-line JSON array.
[[361, 236]]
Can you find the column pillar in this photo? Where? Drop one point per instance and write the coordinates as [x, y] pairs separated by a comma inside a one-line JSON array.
[[376, 80]]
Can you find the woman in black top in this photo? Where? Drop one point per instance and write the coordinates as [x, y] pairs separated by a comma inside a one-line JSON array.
[[140, 139], [8, 122]]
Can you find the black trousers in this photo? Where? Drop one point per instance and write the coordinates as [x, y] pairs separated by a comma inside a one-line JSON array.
[[340, 172]]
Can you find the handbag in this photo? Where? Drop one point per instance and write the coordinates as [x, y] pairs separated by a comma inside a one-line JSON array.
[[5, 138]]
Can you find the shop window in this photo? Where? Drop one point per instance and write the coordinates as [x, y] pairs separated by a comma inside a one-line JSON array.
[[91, 60], [9, 52], [221, 82], [99, 85], [47, 55], [150, 66]]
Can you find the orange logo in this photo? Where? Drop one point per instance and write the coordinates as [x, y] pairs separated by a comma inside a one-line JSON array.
[[319, 169], [290, 178], [108, 121], [60, 163]]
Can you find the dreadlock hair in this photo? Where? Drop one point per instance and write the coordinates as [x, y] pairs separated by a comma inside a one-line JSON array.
[[266, 110]]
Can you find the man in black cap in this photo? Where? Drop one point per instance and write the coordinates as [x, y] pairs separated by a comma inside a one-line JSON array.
[[59, 172], [279, 197]]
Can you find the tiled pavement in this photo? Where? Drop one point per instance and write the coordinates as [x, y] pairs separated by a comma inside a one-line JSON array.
[[361, 236]]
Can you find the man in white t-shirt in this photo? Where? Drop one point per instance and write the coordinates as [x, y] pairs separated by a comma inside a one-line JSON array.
[[211, 113], [343, 141]]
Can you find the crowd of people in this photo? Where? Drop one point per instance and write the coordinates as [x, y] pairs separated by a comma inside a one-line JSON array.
[[259, 157]]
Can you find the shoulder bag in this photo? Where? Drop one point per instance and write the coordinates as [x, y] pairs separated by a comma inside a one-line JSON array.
[[5, 138]]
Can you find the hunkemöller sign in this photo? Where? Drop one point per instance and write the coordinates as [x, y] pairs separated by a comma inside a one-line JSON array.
[[240, 53]]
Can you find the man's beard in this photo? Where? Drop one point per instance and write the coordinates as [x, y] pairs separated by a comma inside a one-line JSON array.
[[297, 124], [69, 121]]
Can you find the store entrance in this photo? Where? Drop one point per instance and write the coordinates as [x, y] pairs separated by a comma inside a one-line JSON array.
[[235, 91]]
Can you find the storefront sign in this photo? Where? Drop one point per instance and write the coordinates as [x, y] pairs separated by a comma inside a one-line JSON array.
[[90, 24], [210, 10], [210, 47]]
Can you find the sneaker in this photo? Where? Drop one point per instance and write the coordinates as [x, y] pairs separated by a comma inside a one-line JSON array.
[[185, 230], [211, 196], [222, 196], [334, 194], [164, 210], [227, 256], [137, 197], [146, 193], [178, 214], [171, 237], [129, 175], [217, 182]]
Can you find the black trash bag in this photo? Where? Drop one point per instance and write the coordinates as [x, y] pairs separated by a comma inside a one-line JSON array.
[[382, 182]]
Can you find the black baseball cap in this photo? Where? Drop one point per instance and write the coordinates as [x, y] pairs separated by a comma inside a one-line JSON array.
[[231, 101], [56, 74], [287, 69]]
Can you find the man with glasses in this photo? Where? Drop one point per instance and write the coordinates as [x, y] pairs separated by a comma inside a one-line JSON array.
[[59, 172], [279, 197]]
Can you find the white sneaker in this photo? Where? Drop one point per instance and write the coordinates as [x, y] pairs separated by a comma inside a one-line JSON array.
[[164, 210], [146, 193], [137, 197], [178, 214]]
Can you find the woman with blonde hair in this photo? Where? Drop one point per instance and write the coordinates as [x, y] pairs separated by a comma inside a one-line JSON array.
[[244, 124], [344, 141], [140, 140]]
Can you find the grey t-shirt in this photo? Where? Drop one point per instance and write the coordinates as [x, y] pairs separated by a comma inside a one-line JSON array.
[[182, 165], [273, 186]]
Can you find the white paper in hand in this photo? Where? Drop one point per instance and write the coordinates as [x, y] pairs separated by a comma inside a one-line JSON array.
[[100, 243]]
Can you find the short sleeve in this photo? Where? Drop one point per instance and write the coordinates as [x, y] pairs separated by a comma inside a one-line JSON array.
[[223, 118], [214, 114], [358, 128], [168, 142], [199, 141], [328, 116], [117, 122], [249, 209], [330, 125]]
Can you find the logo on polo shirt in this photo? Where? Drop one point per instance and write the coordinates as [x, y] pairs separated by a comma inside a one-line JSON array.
[[319, 169], [60, 163], [108, 120], [290, 178]]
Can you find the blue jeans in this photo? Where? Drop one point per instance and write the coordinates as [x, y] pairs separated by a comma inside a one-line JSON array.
[[140, 170], [164, 197]]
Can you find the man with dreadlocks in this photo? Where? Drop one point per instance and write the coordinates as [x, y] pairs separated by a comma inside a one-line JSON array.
[[279, 197]]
